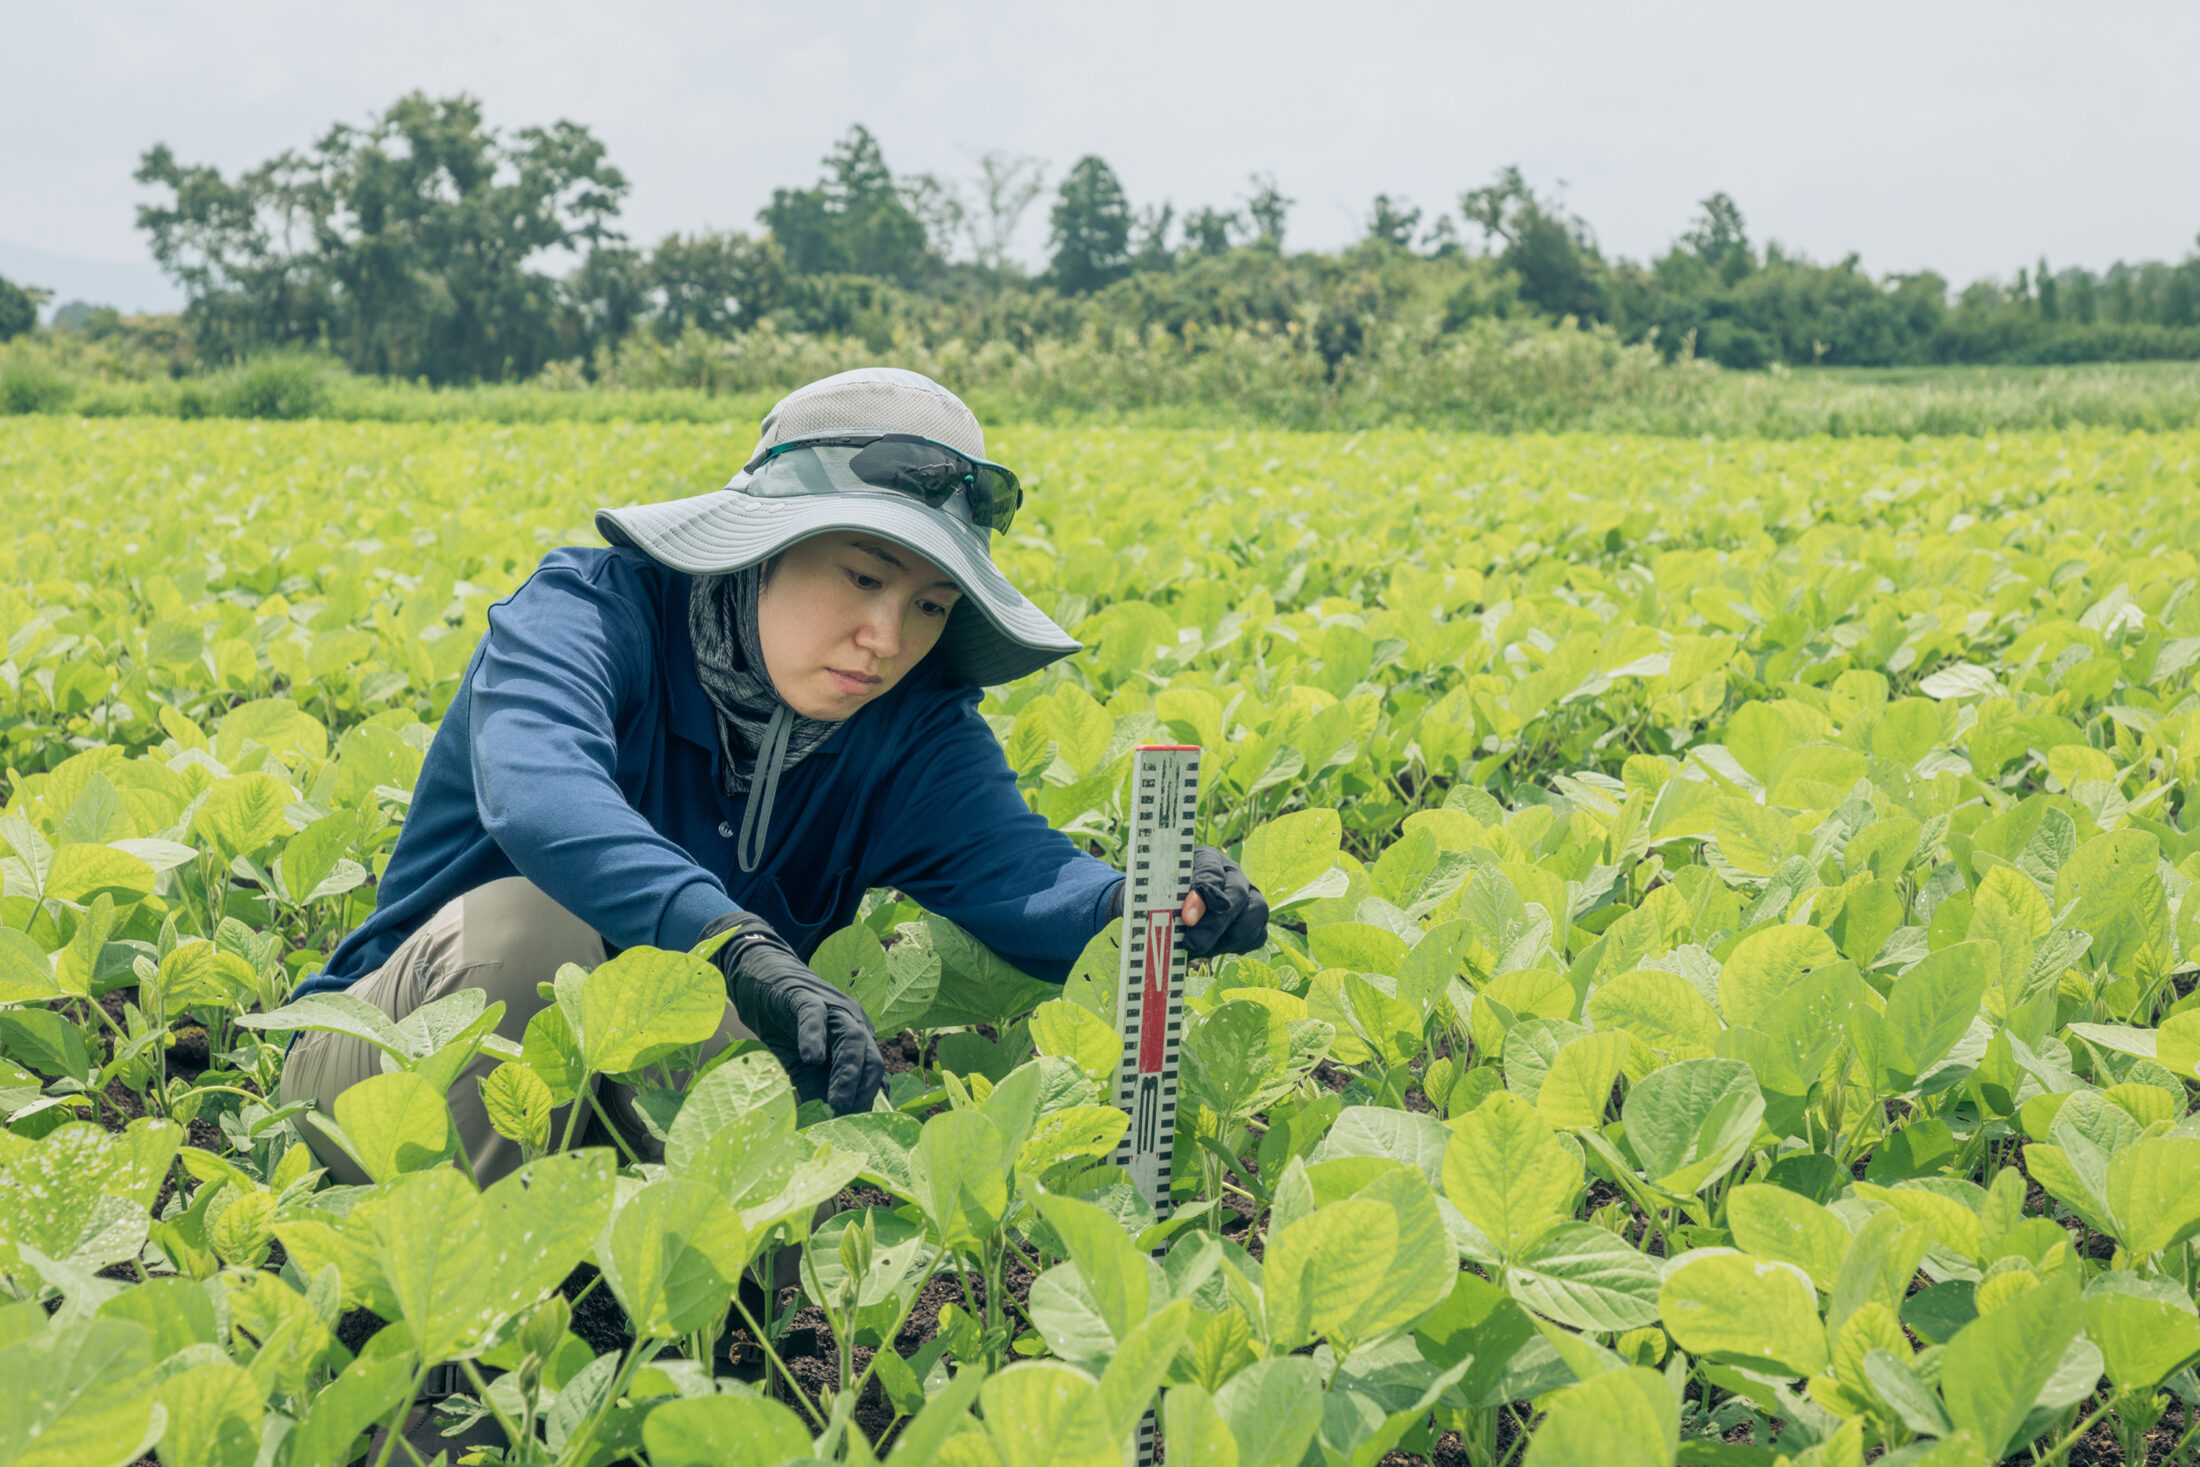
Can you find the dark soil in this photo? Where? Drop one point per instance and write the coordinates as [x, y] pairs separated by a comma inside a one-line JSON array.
[[901, 1052]]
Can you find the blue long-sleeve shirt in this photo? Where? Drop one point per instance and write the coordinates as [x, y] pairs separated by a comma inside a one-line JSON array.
[[582, 753]]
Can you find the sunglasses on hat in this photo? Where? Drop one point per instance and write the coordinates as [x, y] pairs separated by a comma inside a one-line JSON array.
[[931, 472]]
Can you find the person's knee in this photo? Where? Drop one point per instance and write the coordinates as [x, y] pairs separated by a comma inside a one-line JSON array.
[[512, 936]]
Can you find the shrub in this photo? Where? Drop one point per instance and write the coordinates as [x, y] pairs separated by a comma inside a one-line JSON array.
[[33, 385], [278, 386]]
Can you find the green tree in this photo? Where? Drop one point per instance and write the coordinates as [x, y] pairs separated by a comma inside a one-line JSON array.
[[1393, 221], [1150, 249], [855, 220], [604, 298], [18, 309], [1720, 240], [716, 283], [408, 246], [1008, 184], [1560, 271], [1091, 228], [1209, 231], [1268, 209]]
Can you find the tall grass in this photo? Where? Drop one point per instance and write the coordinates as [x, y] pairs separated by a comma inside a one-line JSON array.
[[1490, 378]]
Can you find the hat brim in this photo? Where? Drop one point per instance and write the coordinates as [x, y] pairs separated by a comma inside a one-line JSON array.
[[728, 530]]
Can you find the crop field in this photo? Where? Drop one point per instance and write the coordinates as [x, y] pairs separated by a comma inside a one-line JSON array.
[[1732, 998]]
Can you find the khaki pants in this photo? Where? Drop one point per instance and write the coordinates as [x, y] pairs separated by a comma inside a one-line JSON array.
[[503, 938]]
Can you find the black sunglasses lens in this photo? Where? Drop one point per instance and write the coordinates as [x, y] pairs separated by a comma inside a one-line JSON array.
[[996, 497], [933, 474]]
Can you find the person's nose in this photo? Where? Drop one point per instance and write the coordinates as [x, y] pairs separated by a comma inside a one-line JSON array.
[[879, 633]]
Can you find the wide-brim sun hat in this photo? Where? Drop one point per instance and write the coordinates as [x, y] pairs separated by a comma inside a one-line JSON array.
[[994, 635]]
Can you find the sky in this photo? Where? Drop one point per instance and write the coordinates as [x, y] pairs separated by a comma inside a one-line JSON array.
[[1970, 138]]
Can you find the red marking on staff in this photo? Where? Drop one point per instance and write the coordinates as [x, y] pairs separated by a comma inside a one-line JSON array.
[[1153, 1018], [1169, 748]]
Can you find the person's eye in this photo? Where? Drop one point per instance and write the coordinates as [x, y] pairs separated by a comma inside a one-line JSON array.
[[932, 608], [864, 582]]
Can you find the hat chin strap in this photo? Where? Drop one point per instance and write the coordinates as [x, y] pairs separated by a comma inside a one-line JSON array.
[[771, 758]]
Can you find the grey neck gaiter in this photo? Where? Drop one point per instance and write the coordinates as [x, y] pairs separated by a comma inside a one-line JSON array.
[[758, 734]]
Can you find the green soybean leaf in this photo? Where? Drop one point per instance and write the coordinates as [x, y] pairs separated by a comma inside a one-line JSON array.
[[48, 1043], [978, 985], [2152, 1189], [551, 1051], [1623, 1418], [1765, 965], [1581, 1275], [2142, 1340], [1283, 857], [1664, 1010], [334, 1013], [707, 1431], [1995, 1367], [425, 1232], [1776, 1223], [1141, 1363], [396, 1123], [645, 1003], [959, 1176], [673, 1253], [943, 1415], [368, 1390], [198, 972], [1753, 1312], [1929, 1009], [1912, 1399], [1061, 1028], [518, 1104], [1113, 1268], [214, 1415], [79, 1396], [1195, 1427], [1420, 1141], [1480, 1323], [82, 873], [1274, 1407], [241, 815], [1046, 1414], [2119, 895], [174, 1312], [26, 973], [1579, 1085], [1357, 946], [1507, 1173], [884, 1140], [1690, 1123]]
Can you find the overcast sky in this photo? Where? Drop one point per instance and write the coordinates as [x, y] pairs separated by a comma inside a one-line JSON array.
[[1965, 137]]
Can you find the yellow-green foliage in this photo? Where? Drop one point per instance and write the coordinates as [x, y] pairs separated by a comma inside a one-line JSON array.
[[1735, 912]]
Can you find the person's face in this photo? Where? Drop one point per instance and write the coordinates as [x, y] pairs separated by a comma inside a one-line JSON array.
[[844, 616]]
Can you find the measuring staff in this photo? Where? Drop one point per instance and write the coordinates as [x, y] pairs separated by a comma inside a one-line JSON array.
[[756, 705]]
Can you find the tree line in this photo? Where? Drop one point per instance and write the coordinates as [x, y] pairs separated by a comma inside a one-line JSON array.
[[427, 244]]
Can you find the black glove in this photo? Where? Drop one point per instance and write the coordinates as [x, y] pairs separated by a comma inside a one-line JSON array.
[[1237, 914], [820, 1034]]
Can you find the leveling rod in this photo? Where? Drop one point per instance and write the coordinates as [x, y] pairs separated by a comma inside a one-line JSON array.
[[1149, 988]]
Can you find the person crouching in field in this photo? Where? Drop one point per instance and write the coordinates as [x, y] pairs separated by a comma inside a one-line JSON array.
[[753, 707]]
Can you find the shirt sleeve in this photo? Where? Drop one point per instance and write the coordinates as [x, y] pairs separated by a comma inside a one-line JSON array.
[[564, 658], [962, 842]]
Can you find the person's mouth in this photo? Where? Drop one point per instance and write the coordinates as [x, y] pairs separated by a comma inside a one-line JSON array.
[[858, 683]]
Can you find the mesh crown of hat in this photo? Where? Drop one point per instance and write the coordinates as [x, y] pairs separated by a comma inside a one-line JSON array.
[[875, 400]]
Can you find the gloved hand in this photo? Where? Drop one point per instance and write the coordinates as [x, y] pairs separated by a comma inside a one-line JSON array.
[[820, 1034], [1232, 915]]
